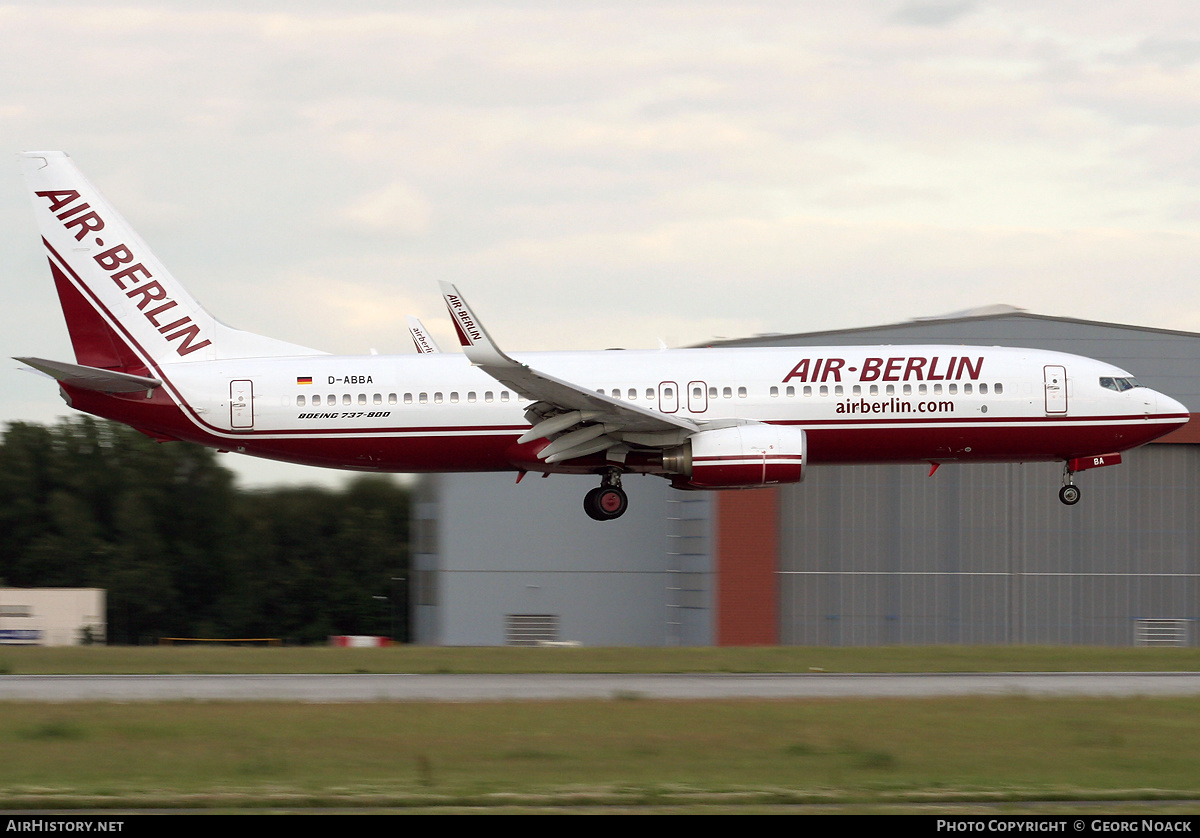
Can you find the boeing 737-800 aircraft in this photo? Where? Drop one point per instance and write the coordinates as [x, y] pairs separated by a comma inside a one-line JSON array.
[[147, 354]]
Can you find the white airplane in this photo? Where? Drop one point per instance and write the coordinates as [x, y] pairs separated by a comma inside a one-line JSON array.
[[147, 354]]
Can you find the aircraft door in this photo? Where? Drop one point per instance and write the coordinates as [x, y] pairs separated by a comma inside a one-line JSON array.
[[668, 396], [1056, 389], [241, 404], [697, 396]]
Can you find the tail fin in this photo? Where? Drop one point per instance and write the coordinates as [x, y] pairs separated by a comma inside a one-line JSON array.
[[123, 308]]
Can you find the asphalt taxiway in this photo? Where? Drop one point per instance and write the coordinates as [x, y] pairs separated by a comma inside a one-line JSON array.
[[534, 687]]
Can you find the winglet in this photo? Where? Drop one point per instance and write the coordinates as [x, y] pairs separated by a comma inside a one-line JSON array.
[[420, 336], [477, 344]]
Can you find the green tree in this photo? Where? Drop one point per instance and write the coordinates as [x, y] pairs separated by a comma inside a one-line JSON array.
[[181, 550]]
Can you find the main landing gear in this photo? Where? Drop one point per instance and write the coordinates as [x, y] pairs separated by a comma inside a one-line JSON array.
[[608, 500], [1069, 493]]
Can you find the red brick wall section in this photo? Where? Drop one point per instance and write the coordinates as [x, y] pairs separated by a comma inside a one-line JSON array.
[[747, 558]]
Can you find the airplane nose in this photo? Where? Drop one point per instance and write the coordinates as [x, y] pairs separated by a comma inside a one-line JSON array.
[[1164, 404]]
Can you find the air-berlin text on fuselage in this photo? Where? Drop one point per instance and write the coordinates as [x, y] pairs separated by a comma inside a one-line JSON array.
[[901, 368], [119, 262]]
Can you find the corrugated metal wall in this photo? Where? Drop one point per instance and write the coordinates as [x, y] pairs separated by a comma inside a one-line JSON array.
[[487, 550], [986, 554]]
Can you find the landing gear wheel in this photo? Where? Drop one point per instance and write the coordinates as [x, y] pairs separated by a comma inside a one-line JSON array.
[[613, 501], [590, 505], [1069, 494], [604, 503]]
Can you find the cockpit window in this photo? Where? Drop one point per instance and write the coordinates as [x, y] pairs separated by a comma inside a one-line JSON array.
[[1118, 384]]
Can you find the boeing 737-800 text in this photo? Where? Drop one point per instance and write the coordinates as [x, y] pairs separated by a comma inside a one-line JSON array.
[[147, 354]]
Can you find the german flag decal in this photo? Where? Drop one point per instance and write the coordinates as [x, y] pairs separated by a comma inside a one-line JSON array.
[[304, 379]]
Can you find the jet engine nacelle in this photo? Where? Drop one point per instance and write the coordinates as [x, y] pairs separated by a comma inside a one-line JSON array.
[[741, 457]]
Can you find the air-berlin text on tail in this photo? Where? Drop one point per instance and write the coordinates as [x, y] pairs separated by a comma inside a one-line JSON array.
[[118, 261], [902, 368]]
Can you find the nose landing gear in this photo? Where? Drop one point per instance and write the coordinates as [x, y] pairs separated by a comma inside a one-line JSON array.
[[608, 500], [1069, 493]]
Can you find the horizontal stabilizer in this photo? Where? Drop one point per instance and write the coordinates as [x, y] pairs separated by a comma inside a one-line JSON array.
[[92, 378]]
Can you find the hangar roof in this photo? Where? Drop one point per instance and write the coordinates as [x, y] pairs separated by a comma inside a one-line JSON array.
[[1164, 359]]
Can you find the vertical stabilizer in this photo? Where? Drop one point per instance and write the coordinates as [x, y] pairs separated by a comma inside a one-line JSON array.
[[121, 304]]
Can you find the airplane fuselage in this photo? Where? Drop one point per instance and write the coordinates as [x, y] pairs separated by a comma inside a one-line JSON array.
[[873, 404]]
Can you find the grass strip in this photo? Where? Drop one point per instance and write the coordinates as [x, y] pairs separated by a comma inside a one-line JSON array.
[[143, 660], [984, 750]]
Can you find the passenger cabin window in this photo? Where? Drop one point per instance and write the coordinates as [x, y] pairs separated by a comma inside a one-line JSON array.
[[299, 401]]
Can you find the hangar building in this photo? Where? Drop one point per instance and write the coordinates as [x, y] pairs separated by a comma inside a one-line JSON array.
[[854, 555]]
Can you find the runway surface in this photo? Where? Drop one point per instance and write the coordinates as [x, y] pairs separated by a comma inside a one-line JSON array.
[[352, 688]]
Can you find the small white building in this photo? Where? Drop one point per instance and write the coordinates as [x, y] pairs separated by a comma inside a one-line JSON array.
[[52, 616]]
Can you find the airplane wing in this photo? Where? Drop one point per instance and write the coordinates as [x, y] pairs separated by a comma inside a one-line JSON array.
[[559, 405], [421, 337], [92, 378]]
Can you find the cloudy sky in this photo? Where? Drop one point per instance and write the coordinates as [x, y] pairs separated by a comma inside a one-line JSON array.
[[609, 174]]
